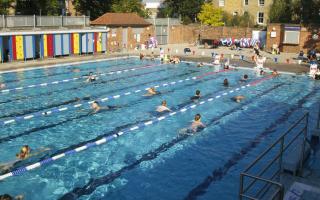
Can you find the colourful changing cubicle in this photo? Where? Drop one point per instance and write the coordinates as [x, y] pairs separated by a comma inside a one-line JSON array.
[[35, 45]]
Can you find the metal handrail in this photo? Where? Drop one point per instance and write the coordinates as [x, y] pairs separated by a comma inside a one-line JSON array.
[[279, 156], [275, 143], [279, 185]]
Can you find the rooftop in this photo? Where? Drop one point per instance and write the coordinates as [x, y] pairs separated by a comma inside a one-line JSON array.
[[120, 19]]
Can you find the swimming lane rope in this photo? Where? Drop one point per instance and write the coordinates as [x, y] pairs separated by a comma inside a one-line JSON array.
[[109, 138], [45, 84], [103, 99]]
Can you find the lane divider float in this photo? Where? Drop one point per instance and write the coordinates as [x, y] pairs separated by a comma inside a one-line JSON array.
[[104, 99], [109, 138], [76, 78]]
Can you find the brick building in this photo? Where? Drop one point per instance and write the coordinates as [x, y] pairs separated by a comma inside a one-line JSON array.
[[127, 30], [292, 38], [258, 9]]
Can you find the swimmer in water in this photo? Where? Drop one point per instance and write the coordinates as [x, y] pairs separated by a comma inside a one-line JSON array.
[[244, 78], [200, 65], [226, 82], [2, 86], [24, 152], [262, 72], [91, 78], [238, 98], [163, 107], [196, 96], [275, 73], [151, 91], [9, 197], [197, 124]]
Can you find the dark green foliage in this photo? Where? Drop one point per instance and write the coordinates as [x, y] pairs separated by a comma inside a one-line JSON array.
[[4, 6], [186, 9], [47, 7], [127, 6], [295, 11], [94, 8]]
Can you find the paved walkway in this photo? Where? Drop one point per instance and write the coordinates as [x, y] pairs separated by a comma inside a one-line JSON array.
[[201, 55]]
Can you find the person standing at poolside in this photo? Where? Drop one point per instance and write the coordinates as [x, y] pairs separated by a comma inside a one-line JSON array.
[[161, 54], [260, 60]]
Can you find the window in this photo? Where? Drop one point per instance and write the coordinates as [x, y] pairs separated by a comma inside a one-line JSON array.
[[291, 37], [221, 3], [246, 2], [260, 18], [261, 2]]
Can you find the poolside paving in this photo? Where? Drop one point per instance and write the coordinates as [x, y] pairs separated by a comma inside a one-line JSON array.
[[201, 55]]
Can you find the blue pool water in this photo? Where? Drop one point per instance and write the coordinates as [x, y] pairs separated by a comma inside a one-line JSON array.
[[154, 162]]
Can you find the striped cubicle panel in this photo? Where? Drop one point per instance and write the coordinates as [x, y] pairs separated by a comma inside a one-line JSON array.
[[104, 42], [84, 43], [100, 40], [16, 47], [75, 43], [1, 50], [47, 45], [65, 44], [90, 44], [57, 44], [29, 44]]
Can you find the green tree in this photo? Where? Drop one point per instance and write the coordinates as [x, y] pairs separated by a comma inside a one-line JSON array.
[[31, 7], [186, 9], [127, 6], [4, 6], [295, 11], [245, 20], [280, 11], [94, 8], [210, 15]]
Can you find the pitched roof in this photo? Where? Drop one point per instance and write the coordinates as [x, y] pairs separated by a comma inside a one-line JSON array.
[[120, 19]]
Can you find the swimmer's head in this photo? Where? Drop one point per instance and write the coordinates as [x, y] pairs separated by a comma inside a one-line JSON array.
[[25, 149], [198, 92], [225, 81], [152, 89], [197, 117], [90, 73], [6, 197], [95, 104], [245, 76], [164, 103]]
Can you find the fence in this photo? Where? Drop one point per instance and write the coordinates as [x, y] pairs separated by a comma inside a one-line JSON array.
[[42, 21], [262, 176], [162, 28]]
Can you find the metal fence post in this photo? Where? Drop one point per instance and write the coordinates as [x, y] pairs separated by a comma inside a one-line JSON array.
[[3, 22], [84, 21], [34, 21], [318, 125], [61, 20], [241, 186], [281, 153], [304, 144]]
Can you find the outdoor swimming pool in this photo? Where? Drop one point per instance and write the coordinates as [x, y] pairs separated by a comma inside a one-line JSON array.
[[130, 152]]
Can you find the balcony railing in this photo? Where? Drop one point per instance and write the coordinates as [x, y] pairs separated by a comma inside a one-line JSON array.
[[33, 21]]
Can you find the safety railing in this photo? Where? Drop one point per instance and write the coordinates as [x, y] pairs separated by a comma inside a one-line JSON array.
[[261, 179], [20, 21]]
